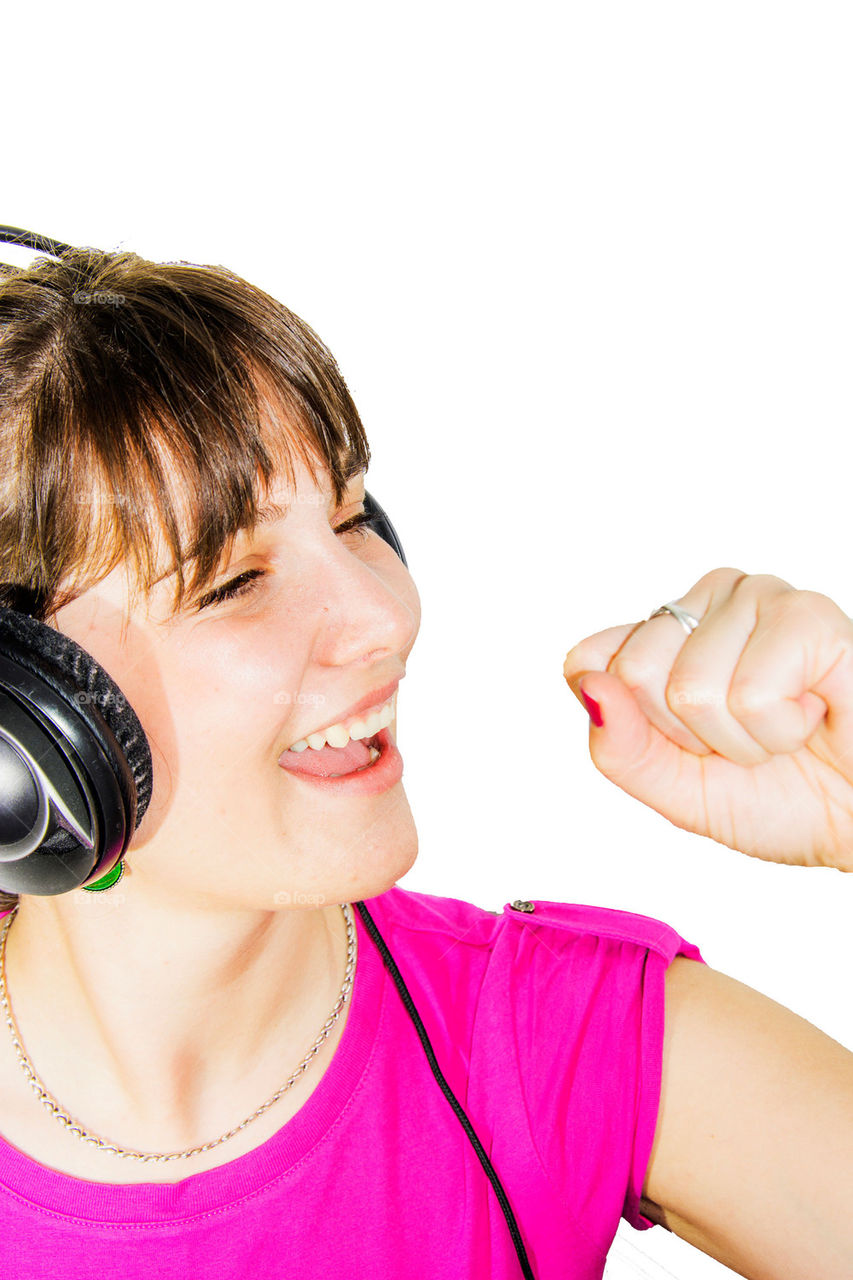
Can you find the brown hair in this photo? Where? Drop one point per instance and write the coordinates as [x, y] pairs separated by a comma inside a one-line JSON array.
[[136, 396]]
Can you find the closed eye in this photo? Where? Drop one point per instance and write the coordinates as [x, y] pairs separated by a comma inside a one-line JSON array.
[[245, 582]]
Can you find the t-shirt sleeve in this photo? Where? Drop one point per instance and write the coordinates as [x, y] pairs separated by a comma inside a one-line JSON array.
[[649, 1070], [589, 1021]]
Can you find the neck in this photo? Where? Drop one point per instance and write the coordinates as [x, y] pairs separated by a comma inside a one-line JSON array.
[[165, 1024]]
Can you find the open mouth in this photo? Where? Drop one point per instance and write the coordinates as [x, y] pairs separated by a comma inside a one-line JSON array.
[[365, 767], [359, 755]]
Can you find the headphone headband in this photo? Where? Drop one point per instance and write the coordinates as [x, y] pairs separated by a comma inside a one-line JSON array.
[[32, 240]]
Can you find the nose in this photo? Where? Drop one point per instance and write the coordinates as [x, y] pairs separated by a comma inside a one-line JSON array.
[[368, 603]]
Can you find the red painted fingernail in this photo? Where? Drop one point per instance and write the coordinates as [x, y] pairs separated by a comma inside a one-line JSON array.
[[593, 708]]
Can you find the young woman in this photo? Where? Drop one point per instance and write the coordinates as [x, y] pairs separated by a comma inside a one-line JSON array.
[[205, 1063]]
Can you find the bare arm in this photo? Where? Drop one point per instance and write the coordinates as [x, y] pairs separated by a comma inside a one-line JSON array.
[[752, 1160]]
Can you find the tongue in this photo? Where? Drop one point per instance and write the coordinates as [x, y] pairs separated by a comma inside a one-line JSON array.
[[330, 760]]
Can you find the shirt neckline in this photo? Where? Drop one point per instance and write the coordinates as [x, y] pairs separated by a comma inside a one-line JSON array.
[[59, 1193]]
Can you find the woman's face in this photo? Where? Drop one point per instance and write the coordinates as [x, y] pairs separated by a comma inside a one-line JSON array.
[[223, 691]]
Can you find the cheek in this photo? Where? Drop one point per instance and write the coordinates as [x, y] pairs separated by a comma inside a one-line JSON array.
[[226, 691]]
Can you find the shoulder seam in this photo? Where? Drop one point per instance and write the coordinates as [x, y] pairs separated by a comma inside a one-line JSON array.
[[660, 937]]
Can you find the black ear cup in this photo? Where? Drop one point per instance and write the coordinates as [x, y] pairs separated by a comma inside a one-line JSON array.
[[383, 525], [75, 765]]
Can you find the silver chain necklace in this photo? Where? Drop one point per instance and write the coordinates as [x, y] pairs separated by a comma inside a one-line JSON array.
[[55, 1109]]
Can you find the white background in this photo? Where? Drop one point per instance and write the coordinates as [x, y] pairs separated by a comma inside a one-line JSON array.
[[587, 270]]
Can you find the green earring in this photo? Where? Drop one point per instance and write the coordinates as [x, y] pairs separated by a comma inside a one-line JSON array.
[[107, 881]]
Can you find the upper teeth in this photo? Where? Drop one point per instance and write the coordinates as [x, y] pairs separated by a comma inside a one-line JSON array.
[[338, 735]]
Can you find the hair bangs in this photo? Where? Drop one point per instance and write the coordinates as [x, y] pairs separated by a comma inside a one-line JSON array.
[[146, 416]]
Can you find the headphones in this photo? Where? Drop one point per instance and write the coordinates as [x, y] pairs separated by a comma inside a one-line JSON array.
[[76, 773]]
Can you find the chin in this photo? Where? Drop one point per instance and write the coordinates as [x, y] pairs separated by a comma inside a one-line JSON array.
[[376, 879]]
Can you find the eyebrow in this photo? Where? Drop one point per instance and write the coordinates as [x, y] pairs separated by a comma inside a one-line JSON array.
[[277, 510], [266, 515], [272, 511]]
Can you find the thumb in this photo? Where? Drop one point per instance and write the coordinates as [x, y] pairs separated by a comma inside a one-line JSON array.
[[624, 742]]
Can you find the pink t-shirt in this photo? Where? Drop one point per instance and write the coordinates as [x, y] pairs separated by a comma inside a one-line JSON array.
[[548, 1026]]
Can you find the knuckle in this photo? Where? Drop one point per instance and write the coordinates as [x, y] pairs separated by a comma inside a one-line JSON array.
[[690, 697], [635, 673], [746, 699], [679, 695], [724, 576], [574, 659], [808, 605], [758, 582], [815, 602]]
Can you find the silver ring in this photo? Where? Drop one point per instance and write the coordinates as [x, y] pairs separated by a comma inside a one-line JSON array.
[[686, 619]]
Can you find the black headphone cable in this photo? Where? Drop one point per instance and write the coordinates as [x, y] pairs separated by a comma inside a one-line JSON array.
[[503, 1201]]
